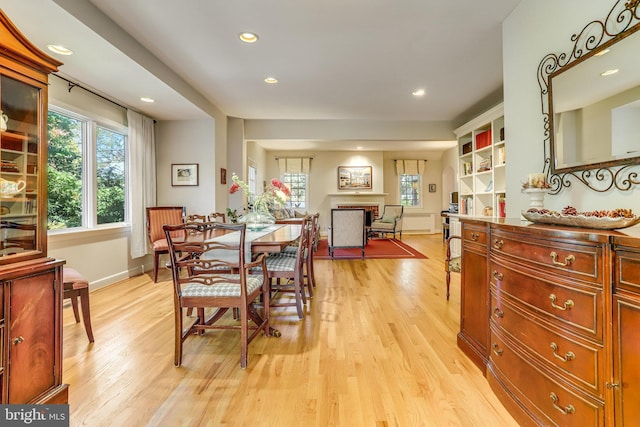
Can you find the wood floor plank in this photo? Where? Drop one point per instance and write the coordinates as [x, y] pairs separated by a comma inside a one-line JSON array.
[[377, 347]]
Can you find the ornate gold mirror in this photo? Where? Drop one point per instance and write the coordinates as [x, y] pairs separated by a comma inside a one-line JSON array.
[[591, 104]]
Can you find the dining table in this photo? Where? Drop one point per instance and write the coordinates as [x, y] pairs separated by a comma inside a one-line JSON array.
[[273, 238]]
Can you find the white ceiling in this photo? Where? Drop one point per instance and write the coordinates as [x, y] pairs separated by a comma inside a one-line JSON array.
[[334, 59]]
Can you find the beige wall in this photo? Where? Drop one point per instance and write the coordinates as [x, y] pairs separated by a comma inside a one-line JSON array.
[[524, 45]]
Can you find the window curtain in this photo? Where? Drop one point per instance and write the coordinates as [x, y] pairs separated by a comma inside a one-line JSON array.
[[294, 165], [411, 167], [142, 178]]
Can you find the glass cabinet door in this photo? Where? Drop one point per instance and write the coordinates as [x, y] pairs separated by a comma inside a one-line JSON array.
[[20, 127]]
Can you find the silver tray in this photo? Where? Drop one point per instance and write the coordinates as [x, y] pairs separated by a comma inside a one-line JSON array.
[[581, 220]]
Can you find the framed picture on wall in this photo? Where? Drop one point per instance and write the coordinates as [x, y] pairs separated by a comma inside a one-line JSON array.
[[184, 174], [354, 178], [432, 188], [223, 176]]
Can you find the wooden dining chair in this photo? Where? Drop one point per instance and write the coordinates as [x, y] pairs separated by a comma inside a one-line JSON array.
[[292, 250], [217, 217], [211, 269], [76, 286], [157, 217], [287, 273], [451, 263]]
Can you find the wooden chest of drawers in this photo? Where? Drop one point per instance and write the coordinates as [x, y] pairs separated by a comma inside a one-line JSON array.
[[547, 322]]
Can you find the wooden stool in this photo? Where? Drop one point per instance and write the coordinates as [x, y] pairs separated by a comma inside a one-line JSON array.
[[77, 286]]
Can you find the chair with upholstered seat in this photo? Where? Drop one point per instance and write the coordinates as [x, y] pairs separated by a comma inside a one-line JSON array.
[[287, 273], [451, 263], [76, 286], [389, 222], [211, 268], [347, 229], [156, 218]]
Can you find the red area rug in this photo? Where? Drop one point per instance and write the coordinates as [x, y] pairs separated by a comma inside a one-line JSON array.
[[375, 249]]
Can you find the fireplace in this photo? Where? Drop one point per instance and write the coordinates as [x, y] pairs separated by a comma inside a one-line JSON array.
[[370, 210]]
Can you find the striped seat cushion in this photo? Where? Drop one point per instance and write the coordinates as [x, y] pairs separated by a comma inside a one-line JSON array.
[[223, 289]]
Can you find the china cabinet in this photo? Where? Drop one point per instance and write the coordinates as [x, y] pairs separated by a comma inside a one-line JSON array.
[[30, 282]]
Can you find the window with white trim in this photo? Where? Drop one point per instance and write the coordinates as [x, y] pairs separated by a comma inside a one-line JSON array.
[[87, 172], [252, 180], [410, 186], [297, 183]]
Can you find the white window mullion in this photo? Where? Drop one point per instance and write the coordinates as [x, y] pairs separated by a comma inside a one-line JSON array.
[[89, 179]]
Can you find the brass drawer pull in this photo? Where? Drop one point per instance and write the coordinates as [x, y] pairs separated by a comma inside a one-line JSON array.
[[566, 411], [569, 355], [612, 385], [567, 261], [498, 313], [475, 236], [17, 340], [498, 244], [497, 276], [497, 350], [563, 307]]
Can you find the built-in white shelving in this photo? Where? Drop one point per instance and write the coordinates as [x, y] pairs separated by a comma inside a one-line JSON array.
[[481, 165]]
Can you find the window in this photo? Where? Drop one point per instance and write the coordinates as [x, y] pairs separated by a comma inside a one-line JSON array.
[[297, 183], [410, 190], [86, 172], [252, 182]]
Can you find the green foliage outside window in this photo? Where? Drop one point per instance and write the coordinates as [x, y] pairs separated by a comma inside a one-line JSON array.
[[65, 169], [409, 190]]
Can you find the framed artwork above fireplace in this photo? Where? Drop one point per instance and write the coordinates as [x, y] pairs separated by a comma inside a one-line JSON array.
[[354, 178]]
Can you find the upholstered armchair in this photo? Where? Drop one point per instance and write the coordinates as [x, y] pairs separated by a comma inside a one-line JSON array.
[[347, 229], [389, 222]]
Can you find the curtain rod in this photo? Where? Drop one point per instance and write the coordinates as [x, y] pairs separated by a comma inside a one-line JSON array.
[[424, 160], [71, 85], [278, 158]]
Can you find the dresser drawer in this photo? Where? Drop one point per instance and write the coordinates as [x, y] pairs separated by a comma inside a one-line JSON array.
[[581, 362], [627, 271], [550, 402], [476, 234], [579, 261], [576, 307]]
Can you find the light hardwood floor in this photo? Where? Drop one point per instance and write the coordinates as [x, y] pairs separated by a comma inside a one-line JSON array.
[[377, 348]]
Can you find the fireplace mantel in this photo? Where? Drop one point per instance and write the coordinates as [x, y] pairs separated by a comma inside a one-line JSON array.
[[357, 193]]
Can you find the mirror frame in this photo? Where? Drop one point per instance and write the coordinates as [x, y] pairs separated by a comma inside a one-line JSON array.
[[622, 20]]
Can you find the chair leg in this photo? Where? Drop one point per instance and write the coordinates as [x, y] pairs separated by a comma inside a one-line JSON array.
[[86, 313], [155, 267], [177, 357], [244, 336], [74, 304], [448, 283], [298, 291]]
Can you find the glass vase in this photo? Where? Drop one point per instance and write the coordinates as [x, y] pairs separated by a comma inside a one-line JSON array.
[[257, 219]]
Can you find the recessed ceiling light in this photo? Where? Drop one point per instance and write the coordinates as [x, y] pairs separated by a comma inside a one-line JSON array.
[[609, 72], [248, 37], [418, 92], [145, 99], [602, 52], [59, 49], [270, 80]]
